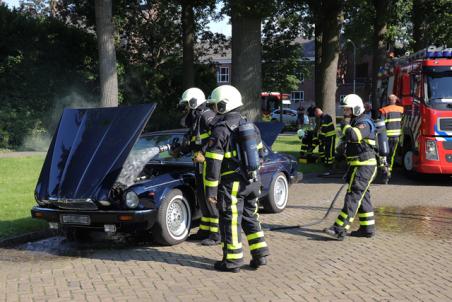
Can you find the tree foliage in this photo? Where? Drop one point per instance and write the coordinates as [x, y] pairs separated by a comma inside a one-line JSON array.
[[281, 53], [42, 61]]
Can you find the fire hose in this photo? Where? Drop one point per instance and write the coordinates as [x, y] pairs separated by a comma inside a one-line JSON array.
[[315, 221]]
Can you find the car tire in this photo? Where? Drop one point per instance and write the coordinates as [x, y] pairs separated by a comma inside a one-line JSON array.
[[173, 219], [77, 235], [278, 194]]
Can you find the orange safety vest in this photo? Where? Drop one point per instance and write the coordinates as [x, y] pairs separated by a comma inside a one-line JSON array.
[[392, 115]]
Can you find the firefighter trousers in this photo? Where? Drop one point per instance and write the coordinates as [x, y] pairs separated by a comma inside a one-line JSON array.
[[307, 147], [393, 142], [357, 200], [327, 149], [209, 225], [237, 204]]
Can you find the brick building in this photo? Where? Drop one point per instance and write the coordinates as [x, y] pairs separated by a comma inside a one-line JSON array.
[[305, 94]]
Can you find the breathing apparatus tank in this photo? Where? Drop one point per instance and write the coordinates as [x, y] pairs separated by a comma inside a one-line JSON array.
[[382, 138], [248, 150]]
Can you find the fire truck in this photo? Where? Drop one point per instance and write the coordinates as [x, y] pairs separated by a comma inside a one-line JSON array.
[[423, 83]]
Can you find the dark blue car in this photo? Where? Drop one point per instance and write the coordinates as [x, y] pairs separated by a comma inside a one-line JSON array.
[[77, 190]]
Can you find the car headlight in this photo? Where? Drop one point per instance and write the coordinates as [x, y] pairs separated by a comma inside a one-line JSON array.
[[431, 152], [132, 200]]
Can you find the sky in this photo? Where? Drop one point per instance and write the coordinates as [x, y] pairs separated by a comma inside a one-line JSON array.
[[221, 27]]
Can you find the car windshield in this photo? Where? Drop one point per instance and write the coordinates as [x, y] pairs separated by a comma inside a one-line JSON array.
[[439, 87], [155, 140]]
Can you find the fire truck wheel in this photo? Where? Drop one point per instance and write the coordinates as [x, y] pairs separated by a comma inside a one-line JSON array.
[[408, 166], [408, 161]]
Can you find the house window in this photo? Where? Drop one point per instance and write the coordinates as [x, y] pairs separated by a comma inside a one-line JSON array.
[[300, 76], [297, 96], [223, 75]]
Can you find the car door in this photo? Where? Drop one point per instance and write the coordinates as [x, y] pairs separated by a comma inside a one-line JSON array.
[[291, 116]]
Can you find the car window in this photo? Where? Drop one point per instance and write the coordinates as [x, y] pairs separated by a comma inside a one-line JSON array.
[[276, 112], [150, 141]]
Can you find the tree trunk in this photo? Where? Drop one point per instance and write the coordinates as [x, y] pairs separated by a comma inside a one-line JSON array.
[[188, 34], [53, 7], [107, 53], [379, 45], [246, 62], [318, 76], [419, 36], [333, 18]]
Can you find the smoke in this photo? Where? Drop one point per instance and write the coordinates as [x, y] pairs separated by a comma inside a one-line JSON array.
[[38, 140], [134, 165], [72, 100], [40, 136]]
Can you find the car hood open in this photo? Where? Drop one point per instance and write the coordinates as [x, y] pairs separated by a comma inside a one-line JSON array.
[[88, 151], [269, 131]]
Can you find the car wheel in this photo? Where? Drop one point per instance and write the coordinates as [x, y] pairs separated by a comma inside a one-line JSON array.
[[277, 195], [173, 219]]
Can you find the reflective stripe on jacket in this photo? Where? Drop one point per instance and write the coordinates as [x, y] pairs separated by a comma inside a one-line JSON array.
[[392, 115]]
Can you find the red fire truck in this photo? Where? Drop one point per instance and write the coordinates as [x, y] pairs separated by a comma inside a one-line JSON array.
[[423, 82]]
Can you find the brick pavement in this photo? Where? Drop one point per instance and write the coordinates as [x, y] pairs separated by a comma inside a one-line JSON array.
[[409, 260]]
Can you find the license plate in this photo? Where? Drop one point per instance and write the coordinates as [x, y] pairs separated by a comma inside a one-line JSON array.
[[75, 219]]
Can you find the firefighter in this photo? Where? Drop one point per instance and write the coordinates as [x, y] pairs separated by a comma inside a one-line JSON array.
[[199, 120], [228, 185], [308, 143], [392, 115], [327, 138], [359, 136]]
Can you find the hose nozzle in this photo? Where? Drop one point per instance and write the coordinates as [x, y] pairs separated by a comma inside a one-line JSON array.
[[164, 148]]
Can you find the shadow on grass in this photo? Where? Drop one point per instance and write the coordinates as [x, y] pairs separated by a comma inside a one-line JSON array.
[[11, 228]]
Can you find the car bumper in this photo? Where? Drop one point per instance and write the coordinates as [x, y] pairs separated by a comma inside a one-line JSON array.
[[125, 221], [296, 177]]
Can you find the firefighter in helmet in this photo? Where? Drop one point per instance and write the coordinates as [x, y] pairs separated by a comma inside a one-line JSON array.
[[199, 120], [359, 136], [392, 115], [228, 185], [327, 138]]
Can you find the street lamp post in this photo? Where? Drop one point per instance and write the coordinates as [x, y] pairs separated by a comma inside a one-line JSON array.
[[354, 64]]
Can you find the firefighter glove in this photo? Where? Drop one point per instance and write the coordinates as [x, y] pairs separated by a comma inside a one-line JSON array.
[[198, 157]]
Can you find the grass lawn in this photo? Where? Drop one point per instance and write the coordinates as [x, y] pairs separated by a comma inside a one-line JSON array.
[[18, 178], [290, 144]]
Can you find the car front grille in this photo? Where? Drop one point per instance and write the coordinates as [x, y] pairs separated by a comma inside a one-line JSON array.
[[447, 145], [445, 124], [75, 204]]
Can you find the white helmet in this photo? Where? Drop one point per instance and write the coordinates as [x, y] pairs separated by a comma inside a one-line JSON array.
[[354, 102], [194, 97], [225, 98]]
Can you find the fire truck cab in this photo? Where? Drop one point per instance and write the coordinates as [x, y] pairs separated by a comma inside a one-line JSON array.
[[423, 83]]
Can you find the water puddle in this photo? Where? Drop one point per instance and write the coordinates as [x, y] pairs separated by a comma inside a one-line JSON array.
[[58, 248], [430, 222]]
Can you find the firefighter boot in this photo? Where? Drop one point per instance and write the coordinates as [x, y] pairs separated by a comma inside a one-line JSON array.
[[257, 262], [200, 235], [222, 266], [363, 233], [212, 240], [335, 232]]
